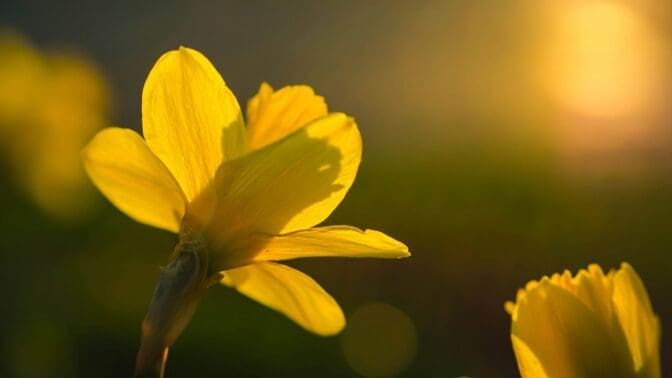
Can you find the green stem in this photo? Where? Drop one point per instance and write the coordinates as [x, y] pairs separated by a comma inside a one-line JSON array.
[[154, 369], [176, 296]]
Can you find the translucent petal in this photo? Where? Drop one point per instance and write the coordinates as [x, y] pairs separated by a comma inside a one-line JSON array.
[[334, 241], [567, 337], [274, 115], [134, 179], [191, 120], [640, 325], [528, 363], [290, 292], [594, 289], [292, 184]]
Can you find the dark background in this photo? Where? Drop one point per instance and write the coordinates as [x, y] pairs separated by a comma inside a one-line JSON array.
[[480, 154]]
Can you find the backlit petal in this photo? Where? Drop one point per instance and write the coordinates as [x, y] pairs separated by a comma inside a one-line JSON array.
[[295, 183], [591, 287], [191, 120], [290, 292], [640, 325], [528, 363], [567, 337], [334, 241], [124, 169], [274, 115], [586, 325]]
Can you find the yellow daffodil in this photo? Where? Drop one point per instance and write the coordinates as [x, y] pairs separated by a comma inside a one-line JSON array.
[[240, 196], [51, 104], [589, 325]]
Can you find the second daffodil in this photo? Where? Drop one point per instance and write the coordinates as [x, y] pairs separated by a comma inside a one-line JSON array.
[[240, 196], [589, 325]]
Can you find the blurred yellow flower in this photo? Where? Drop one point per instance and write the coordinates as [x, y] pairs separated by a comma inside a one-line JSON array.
[[239, 197], [590, 325], [50, 106]]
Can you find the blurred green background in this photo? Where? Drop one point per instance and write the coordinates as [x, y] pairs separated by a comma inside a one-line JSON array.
[[502, 141]]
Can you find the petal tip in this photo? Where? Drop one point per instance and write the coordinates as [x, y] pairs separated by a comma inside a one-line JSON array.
[[509, 306], [403, 251], [188, 51], [626, 266], [330, 330]]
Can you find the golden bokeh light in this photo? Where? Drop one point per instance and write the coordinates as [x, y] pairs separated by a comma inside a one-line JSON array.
[[379, 341]]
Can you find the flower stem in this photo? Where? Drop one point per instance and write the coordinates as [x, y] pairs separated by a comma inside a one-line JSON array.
[[176, 296], [153, 369]]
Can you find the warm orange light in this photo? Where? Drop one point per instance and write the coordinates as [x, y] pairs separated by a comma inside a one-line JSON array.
[[604, 61]]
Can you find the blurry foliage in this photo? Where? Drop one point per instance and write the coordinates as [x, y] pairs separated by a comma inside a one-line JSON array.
[[50, 106]]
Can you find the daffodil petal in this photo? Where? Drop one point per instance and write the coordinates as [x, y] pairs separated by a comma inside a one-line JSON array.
[[290, 292], [190, 118], [273, 115], [640, 325], [124, 169], [332, 241], [295, 183], [568, 338], [528, 363]]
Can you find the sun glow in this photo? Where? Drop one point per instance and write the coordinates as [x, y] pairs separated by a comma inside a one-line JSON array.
[[604, 61]]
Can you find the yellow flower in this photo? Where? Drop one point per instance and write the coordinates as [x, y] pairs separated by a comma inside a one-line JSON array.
[[51, 104], [590, 325], [240, 197]]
